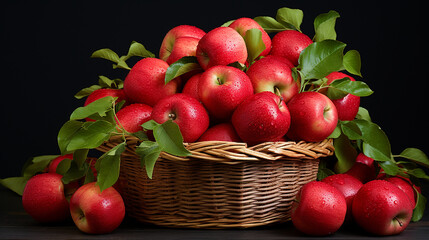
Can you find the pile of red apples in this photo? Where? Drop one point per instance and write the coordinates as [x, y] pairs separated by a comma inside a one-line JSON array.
[[222, 102], [381, 205]]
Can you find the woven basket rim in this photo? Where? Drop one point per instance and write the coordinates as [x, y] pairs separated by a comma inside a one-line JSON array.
[[236, 152]]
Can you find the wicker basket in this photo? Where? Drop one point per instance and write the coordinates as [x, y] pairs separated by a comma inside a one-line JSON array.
[[222, 185]]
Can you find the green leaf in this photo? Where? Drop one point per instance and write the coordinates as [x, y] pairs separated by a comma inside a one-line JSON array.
[[351, 130], [36, 165], [86, 91], [415, 155], [100, 106], [270, 24], [419, 209], [121, 63], [80, 156], [352, 62], [418, 173], [66, 133], [324, 26], [346, 154], [321, 58], [149, 153], [107, 54], [64, 166], [74, 172], [389, 167], [289, 17], [108, 166], [16, 184], [376, 144], [182, 66], [357, 88], [255, 45], [138, 50], [363, 114], [169, 138], [227, 23], [106, 82], [90, 135], [150, 125], [336, 133]]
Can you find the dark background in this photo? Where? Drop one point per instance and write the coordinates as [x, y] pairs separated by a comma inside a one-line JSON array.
[[46, 48]]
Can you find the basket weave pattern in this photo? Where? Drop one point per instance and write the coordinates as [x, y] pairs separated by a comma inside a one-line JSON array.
[[221, 185]]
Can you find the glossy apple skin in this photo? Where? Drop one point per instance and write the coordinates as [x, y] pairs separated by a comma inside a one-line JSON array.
[[262, 117], [52, 168], [406, 186], [189, 114], [105, 92], [348, 186], [222, 88], [221, 46], [313, 117], [289, 44], [97, 212], [242, 25], [191, 86], [382, 208], [220, 132], [320, 209], [363, 169], [145, 83], [44, 199], [271, 74], [183, 47], [347, 106], [172, 50], [133, 116]]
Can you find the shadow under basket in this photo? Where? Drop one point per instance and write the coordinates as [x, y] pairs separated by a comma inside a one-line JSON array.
[[221, 185]]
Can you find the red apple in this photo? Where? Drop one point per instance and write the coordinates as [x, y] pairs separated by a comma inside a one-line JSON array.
[[180, 41], [313, 117], [363, 169], [189, 114], [97, 212], [221, 46], [220, 132], [406, 186], [281, 59], [133, 116], [222, 88], [271, 74], [319, 209], [348, 186], [52, 168], [263, 117], [44, 199], [382, 208], [145, 83], [105, 92], [289, 44], [191, 86], [242, 25], [348, 106]]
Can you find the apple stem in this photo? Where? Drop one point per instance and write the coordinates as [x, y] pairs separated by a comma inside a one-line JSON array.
[[399, 221], [277, 92], [172, 116]]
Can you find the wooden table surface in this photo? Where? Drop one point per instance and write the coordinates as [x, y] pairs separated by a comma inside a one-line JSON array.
[[15, 223]]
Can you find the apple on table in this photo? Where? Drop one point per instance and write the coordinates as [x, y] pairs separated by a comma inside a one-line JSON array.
[[97, 212]]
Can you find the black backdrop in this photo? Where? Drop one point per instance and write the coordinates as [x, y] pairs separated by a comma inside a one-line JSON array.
[[45, 49]]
